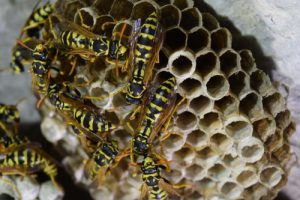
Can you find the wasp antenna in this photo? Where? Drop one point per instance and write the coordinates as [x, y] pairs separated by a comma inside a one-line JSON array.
[[20, 42]]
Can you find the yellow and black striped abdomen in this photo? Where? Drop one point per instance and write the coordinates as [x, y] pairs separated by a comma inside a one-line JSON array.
[[40, 15], [91, 122], [74, 40], [157, 193]]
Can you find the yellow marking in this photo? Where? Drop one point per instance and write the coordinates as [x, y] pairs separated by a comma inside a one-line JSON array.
[[16, 158]]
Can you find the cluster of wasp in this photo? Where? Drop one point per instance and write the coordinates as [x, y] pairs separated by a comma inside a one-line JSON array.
[[48, 38]]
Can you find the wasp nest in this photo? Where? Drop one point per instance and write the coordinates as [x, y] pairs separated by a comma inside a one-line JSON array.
[[229, 138]]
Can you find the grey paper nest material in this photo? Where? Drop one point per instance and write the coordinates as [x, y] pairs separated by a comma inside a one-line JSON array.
[[230, 136]]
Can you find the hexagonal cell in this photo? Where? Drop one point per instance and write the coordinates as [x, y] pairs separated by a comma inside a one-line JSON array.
[[239, 84], [118, 11], [211, 122], [162, 76], [275, 141], [163, 2], [252, 106], [251, 149], [96, 91], [174, 176], [190, 88], [256, 191], [218, 172], [198, 40], [172, 35], [274, 103], [201, 105], [182, 4], [232, 190], [206, 156], [169, 16], [227, 105], [247, 177], [217, 87], [142, 10], [233, 162], [247, 61], [195, 195], [283, 119], [97, 29], [174, 142], [205, 64], [221, 142], [103, 6], [207, 184], [229, 62], [261, 83], [209, 21], [271, 175], [190, 19], [123, 138], [239, 129], [86, 20], [186, 120], [289, 130], [194, 172], [184, 156], [197, 139], [182, 64], [220, 39], [71, 8], [264, 128], [163, 61]]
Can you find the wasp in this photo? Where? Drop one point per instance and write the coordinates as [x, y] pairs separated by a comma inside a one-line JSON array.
[[10, 143], [28, 160], [154, 184], [145, 50], [37, 20], [157, 111]]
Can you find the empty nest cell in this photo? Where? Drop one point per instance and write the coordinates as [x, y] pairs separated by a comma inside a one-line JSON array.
[[182, 4], [142, 10], [239, 84], [229, 62], [97, 29], [118, 11], [197, 139], [194, 172], [99, 92], [221, 142], [274, 103], [271, 175], [239, 129], [206, 156], [169, 17], [103, 6], [233, 162], [163, 2], [209, 21], [220, 39], [86, 20], [207, 184], [251, 149], [198, 40], [227, 105], [247, 61], [190, 88], [247, 177], [174, 176], [190, 18], [217, 87], [70, 8], [283, 154], [218, 172], [162, 76], [184, 156], [252, 106], [231, 189], [201, 105], [173, 35], [174, 142], [261, 83], [283, 119], [211, 122], [186, 120], [182, 64], [264, 128], [205, 64]]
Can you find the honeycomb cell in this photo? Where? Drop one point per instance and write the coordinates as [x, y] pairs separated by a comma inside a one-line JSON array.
[[97, 91], [198, 40], [97, 29], [195, 172], [123, 138], [190, 88], [218, 172], [232, 190], [274, 103], [209, 21], [162, 76], [251, 149], [186, 120], [271, 175], [217, 87], [211, 122], [102, 6], [206, 156], [206, 64], [174, 176], [227, 105], [274, 141], [247, 61], [142, 10], [71, 8], [289, 130], [183, 4], [174, 35], [247, 177], [221, 142], [252, 106], [197, 139], [184, 156], [264, 128], [163, 2], [239, 129], [239, 84], [220, 39], [229, 60], [174, 142], [195, 195], [207, 184], [283, 119], [190, 19], [169, 17], [182, 64], [261, 83], [201, 105], [86, 20], [256, 191], [163, 61], [233, 162], [283, 154], [118, 11]]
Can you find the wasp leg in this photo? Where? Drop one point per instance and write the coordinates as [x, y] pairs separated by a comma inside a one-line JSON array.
[[136, 110]]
